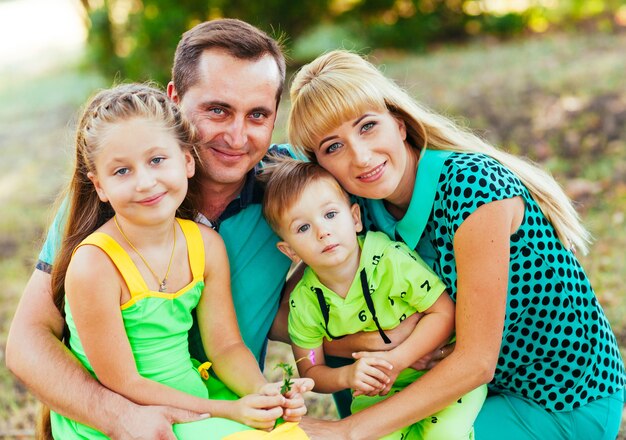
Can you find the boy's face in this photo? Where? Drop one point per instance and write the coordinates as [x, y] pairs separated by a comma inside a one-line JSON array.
[[321, 226]]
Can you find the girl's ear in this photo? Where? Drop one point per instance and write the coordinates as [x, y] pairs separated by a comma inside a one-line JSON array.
[[355, 209], [190, 164], [288, 251], [96, 183]]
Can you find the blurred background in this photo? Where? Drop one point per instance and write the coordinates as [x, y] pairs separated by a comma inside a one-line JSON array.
[[542, 78]]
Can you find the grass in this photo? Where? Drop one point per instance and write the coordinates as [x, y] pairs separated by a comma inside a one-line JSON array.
[[559, 99]]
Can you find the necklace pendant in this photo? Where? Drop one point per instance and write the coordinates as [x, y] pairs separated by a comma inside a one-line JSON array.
[[162, 286]]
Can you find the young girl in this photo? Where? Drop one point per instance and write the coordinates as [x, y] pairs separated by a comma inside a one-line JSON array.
[[130, 272], [355, 284], [498, 231]]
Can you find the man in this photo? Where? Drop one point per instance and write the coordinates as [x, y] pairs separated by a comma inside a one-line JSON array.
[[228, 78]]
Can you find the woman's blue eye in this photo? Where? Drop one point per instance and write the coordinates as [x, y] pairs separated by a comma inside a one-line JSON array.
[[303, 228], [333, 147], [368, 126]]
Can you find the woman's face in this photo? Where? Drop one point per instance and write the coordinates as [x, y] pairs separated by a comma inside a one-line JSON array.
[[370, 157]]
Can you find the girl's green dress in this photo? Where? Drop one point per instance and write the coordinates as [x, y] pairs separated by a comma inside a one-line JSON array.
[[156, 324]]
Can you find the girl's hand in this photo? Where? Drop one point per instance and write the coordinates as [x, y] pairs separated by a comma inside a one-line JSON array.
[[295, 407], [270, 389], [258, 411], [368, 375]]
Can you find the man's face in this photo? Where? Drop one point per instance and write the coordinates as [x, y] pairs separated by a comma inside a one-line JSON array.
[[233, 106]]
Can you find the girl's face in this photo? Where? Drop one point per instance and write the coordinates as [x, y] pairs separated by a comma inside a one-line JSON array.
[[141, 170], [370, 157]]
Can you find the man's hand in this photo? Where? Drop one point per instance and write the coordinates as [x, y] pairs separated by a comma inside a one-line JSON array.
[[152, 423]]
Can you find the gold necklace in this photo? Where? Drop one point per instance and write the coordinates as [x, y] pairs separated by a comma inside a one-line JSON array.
[[163, 283]]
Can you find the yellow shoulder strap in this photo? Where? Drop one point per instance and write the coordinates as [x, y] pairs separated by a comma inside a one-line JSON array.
[[195, 247], [120, 258]]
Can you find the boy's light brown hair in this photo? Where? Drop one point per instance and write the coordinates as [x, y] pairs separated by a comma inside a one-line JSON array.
[[286, 179]]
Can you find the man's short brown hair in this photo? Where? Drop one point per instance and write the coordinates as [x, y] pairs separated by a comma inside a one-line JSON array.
[[237, 38]]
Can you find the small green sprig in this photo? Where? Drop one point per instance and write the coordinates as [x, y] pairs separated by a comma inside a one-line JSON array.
[[287, 375], [288, 371]]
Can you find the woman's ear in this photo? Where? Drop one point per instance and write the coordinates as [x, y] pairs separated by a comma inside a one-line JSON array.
[[96, 183], [355, 209], [401, 127], [284, 247]]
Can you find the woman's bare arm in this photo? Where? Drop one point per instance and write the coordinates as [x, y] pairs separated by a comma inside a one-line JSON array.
[[482, 252]]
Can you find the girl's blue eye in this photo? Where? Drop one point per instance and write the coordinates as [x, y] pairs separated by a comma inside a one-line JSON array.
[[157, 160], [330, 214], [303, 228], [121, 171]]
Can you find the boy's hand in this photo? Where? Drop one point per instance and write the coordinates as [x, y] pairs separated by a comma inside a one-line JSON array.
[[258, 411], [367, 375], [391, 373]]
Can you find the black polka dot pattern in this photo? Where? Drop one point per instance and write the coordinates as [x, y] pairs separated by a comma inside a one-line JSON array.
[[557, 348]]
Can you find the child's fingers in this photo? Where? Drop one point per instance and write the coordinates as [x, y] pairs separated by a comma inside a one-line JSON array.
[[294, 410], [301, 385], [377, 362]]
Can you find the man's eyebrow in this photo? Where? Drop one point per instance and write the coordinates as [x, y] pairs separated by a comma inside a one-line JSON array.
[[262, 109], [215, 103]]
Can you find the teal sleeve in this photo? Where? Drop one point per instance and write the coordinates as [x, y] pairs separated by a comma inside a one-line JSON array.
[[423, 285], [52, 244]]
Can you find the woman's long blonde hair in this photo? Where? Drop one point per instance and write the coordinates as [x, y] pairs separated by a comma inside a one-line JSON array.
[[341, 86]]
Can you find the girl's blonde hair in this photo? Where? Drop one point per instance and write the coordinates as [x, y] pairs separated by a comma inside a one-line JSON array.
[[86, 212], [341, 86]]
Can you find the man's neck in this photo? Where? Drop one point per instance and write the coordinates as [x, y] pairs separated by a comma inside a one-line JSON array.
[[217, 196]]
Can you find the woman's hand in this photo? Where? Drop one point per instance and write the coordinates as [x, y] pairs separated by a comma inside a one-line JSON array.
[[258, 411], [431, 359]]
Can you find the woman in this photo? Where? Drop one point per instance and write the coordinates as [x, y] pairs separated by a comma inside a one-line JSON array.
[[500, 233]]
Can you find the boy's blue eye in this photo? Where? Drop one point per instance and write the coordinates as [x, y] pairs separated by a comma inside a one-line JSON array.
[[303, 228], [330, 214], [157, 160]]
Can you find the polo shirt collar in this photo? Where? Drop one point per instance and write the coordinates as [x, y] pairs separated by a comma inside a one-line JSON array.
[[411, 227]]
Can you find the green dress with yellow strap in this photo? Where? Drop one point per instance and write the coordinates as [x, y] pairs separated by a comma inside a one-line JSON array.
[[156, 324]]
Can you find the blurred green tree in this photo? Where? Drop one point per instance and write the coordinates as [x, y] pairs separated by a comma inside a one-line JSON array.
[[136, 39]]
